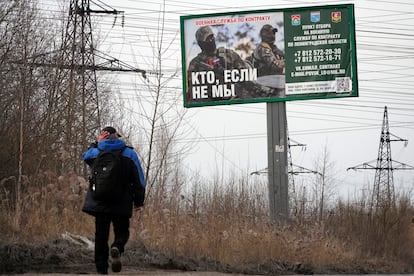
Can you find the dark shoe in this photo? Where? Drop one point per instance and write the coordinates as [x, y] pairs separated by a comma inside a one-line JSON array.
[[102, 271], [116, 259]]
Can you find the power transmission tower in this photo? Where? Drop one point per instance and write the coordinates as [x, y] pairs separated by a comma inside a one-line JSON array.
[[296, 198], [78, 54], [77, 73], [383, 194], [293, 170], [76, 81], [73, 111]]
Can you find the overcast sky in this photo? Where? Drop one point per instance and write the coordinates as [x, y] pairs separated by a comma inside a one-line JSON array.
[[233, 138]]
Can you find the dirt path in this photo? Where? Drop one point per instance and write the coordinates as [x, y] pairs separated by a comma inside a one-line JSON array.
[[63, 257], [146, 273]]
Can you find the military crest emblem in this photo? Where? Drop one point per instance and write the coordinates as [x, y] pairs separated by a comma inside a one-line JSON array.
[[336, 16]]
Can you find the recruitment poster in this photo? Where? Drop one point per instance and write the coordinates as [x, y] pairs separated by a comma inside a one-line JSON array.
[[269, 55]]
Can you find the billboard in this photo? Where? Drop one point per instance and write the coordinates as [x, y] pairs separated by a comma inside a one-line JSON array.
[[269, 55]]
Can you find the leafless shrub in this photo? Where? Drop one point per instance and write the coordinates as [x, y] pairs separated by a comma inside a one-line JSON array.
[[228, 223]]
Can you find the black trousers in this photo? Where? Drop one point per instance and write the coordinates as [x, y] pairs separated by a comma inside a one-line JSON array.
[[102, 227]]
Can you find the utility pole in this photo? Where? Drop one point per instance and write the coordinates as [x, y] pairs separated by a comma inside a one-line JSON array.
[[383, 191], [277, 162]]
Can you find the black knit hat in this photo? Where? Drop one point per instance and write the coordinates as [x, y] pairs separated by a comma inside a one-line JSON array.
[[111, 130]]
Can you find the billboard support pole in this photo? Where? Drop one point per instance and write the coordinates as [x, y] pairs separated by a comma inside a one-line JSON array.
[[277, 162]]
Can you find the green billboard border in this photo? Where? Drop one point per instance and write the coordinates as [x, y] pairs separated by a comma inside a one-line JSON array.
[[309, 96]]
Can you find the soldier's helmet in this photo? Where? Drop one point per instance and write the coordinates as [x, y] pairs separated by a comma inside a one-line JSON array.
[[203, 33], [267, 33]]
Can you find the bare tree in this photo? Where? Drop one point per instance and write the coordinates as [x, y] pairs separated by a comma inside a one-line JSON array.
[[161, 118], [324, 184], [24, 37]]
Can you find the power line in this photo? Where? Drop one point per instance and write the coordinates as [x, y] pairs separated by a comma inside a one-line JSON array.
[[393, 54]]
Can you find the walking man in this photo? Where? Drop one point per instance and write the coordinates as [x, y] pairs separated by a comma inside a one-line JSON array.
[[116, 186]]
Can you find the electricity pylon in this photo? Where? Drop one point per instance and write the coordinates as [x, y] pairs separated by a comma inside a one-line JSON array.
[[76, 82], [297, 199], [293, 169], [81, 91], [383, 194], [73, 108]]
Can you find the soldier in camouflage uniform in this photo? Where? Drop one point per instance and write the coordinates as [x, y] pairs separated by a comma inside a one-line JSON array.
[[267, 58], [217, 60]]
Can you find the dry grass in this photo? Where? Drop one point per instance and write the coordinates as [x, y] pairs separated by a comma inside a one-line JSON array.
[[49, 206], [226, 224]]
